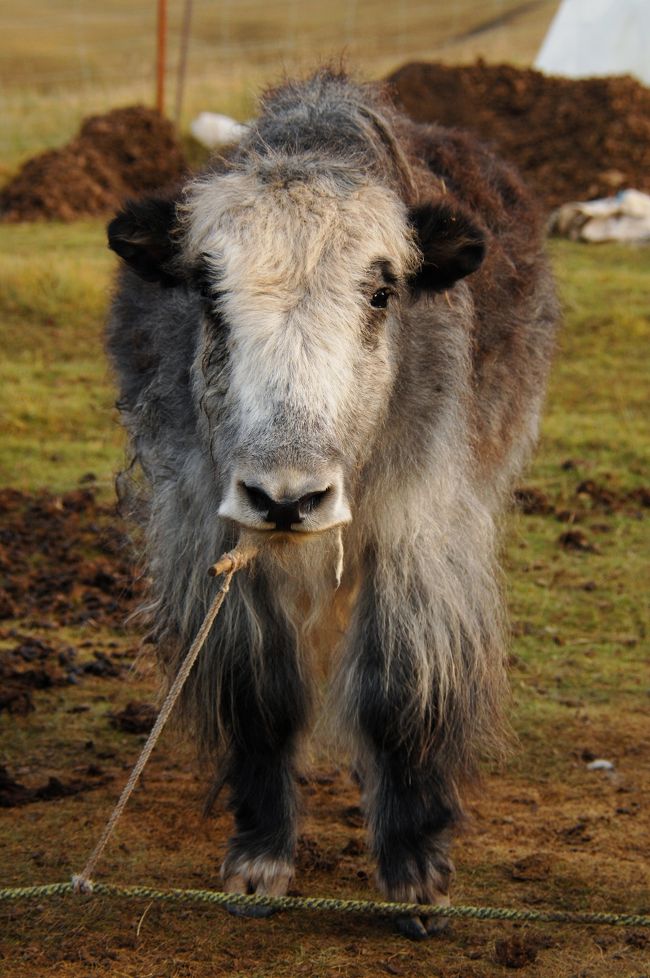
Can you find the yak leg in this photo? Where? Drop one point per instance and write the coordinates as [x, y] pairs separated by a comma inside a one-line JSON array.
[[410, 826], [411, 803], [261, 853], [269, 705]]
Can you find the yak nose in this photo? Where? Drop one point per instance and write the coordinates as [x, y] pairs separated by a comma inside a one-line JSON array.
[[283, 512], [287, 499]]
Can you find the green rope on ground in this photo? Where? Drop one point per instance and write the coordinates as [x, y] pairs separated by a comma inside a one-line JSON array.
[[372, 907]]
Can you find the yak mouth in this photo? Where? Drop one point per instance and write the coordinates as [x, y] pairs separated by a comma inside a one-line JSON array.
[[294, 532]]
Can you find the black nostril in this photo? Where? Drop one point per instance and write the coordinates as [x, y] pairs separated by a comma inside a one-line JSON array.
[[287, 512], [307, 504], [284, 515], [258, 498]]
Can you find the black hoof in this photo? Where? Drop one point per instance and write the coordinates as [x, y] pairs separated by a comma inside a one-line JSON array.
[[411, 927], [250, 910], [420, 928], [435, 925]]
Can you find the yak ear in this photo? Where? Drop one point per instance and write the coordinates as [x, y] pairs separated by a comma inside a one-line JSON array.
[[143, 234], [452, 245]]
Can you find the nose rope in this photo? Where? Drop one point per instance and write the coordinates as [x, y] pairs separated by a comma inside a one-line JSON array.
[[228, 564], [340, 556]]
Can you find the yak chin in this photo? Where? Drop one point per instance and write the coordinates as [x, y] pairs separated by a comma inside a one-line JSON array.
[[303, 566]]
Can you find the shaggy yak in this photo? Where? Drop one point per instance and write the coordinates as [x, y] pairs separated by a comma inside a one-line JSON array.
[[337, 336]]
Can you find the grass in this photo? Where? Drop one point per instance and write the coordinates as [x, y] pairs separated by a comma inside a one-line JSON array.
[[56, 399], [598, 395], [56, 396]]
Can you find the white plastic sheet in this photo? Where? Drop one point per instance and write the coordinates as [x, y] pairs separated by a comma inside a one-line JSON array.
[[212, 129], [598, 37], [625, 217]]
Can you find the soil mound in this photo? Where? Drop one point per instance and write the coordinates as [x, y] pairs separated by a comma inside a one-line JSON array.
[[572, 140], [126, 152]]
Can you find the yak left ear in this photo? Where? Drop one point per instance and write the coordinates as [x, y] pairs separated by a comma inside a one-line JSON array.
[[143, 234], [452, 245]]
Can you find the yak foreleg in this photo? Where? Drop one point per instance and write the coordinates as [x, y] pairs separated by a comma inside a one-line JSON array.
[[410, 797], [267, 702]]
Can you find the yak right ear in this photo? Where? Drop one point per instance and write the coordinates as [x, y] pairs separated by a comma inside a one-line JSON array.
[[144, 235]]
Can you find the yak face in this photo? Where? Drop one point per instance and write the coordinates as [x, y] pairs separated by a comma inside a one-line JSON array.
[[305, 284]]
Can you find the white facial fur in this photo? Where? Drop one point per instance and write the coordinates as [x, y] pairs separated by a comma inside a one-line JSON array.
[[290, 260]]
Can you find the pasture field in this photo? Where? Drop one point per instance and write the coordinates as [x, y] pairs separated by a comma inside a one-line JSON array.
[[543, 832]]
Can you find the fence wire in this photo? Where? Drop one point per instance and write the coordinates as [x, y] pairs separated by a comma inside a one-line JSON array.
[[68, 43]]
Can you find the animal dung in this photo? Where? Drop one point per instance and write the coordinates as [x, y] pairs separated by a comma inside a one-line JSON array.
[[571, 139], [123, 153]]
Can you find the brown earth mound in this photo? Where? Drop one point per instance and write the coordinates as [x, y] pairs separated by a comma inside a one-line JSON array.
[[124, 153], [572, 140]]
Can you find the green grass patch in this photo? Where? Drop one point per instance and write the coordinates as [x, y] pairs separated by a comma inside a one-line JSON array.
[[597, 400], [579, 673], [55, 391], [56, 395]]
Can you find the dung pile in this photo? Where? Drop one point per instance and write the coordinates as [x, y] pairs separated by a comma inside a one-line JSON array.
[[572, 140], [125, 152]]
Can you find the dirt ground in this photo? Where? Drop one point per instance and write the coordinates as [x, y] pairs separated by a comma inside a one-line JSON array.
[[75, 706], [572, 140]]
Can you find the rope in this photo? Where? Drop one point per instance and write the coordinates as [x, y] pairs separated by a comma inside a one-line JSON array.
[[228, 564], [328, 904]]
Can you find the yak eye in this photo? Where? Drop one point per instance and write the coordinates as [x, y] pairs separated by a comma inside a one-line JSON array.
[[380, 299]]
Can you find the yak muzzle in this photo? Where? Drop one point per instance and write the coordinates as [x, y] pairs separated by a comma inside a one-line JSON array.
[[287, 501]]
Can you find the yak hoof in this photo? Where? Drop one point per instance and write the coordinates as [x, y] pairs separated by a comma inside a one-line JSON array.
[[411, 927], [260, 877], [421, 928]]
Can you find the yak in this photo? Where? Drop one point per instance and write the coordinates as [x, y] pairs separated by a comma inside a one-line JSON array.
[[336, 336]]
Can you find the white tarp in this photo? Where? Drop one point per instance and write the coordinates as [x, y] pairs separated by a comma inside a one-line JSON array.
[[625, 217], [598, 37]]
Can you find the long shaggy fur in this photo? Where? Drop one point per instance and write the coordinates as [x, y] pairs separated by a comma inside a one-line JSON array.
[[430, 413]]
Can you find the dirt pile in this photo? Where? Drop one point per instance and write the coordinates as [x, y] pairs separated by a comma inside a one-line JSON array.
[[126, 152], [14, 794], [572, 140]]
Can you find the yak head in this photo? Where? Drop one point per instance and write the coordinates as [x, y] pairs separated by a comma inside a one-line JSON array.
[[307, 280]]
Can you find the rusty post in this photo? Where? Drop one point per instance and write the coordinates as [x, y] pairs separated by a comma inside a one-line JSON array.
[[182, 61], [160, 60]]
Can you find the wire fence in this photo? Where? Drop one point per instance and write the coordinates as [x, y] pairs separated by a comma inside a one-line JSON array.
[[63, 44], [63, 60]]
